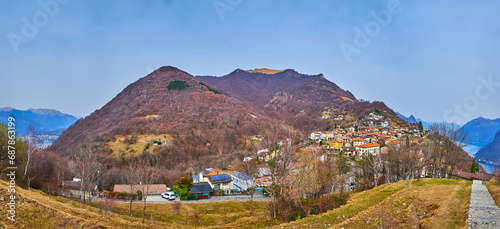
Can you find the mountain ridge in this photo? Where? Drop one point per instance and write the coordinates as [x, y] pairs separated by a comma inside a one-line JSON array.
[[490, 152], [169, 101], [481, 131], [43, 120]]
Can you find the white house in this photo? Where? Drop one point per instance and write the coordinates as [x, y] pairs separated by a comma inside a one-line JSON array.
[[316, 136], [241, 181]]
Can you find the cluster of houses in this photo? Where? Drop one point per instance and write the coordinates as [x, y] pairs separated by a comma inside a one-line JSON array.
[[227, 182], [357, 141]]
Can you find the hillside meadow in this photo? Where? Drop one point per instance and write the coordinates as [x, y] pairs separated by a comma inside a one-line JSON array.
[[428, 203]]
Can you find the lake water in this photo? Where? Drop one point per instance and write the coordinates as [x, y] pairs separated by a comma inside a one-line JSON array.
[[472, 150]]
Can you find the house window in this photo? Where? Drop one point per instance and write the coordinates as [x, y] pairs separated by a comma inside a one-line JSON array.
[[216, 186]]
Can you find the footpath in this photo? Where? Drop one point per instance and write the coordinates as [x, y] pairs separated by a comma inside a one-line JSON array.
[[483, 212]]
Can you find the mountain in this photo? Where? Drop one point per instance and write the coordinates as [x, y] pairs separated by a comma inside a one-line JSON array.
[[43, 120], [490, 152], [414, 120], [294, 98], [481, 131], [200, 120], [410, 119]]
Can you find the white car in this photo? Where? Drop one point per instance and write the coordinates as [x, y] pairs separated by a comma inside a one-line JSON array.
[[168, 195]]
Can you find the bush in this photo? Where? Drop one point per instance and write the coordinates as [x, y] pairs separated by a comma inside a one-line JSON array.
[[139, 194], [217, 192]]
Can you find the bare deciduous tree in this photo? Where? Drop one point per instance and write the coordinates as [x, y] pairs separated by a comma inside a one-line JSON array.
[[85, 165], [29, 155], [250, 168], [446, 140], [146, 173], [403, 164]]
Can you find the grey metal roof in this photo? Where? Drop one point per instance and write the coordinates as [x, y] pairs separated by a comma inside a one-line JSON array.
[[201, 187], [241, 176]]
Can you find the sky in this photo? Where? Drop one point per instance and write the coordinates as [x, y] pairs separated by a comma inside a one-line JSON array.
[[437, 60]]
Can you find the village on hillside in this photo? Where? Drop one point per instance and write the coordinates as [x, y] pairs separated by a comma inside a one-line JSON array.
[[371, 135]]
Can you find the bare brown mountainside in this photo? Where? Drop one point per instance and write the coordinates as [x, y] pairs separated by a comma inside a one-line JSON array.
[[294, 98], [201, 120]]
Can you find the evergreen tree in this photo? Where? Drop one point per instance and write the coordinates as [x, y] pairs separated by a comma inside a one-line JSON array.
[[475, 167], [420, 127]]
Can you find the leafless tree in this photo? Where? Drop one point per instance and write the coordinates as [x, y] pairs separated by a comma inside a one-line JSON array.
[[29, 156], [283, 158], [403, 164], [369, 165], [446, 141], [176, 206], [130, 175], [344, 167], [85, 165], [146, 173], [250, 168]]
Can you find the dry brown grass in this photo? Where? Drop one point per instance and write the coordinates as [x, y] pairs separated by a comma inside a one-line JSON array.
[[265, 71], [37, 210], [429, 203], [118, 146], [494, 188]]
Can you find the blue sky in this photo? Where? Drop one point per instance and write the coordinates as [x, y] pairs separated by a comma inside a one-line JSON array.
[[437, 60]]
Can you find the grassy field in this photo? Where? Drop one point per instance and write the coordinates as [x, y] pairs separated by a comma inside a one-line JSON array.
[[37, 210], [143, 140], [494, 188], [429, 203]]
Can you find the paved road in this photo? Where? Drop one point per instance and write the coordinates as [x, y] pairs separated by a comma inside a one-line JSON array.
[[156, 199], [483, 212]]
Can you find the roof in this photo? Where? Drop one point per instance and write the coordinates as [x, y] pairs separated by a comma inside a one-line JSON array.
[[201, 187], [369, 145], [471, 176], [241, 176], [153, 188], [215, 173], [220, 178], [358, 139]]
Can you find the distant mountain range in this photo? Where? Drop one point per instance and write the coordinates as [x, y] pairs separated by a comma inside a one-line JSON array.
[[414, 120], [490, 152], [43, 120], [481, 131], [209, 115]]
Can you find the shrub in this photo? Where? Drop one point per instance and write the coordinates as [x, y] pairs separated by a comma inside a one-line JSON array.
[[139, 194]]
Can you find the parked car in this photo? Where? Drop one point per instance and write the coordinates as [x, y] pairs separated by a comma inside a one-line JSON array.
[[168, 195]]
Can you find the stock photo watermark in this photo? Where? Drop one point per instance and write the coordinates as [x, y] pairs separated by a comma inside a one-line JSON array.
[[11, 170], [363, 36], [223, 6], [31, 26], [462, 111]]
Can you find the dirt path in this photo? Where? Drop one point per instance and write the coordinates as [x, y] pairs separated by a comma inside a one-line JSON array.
[[483, 212]]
